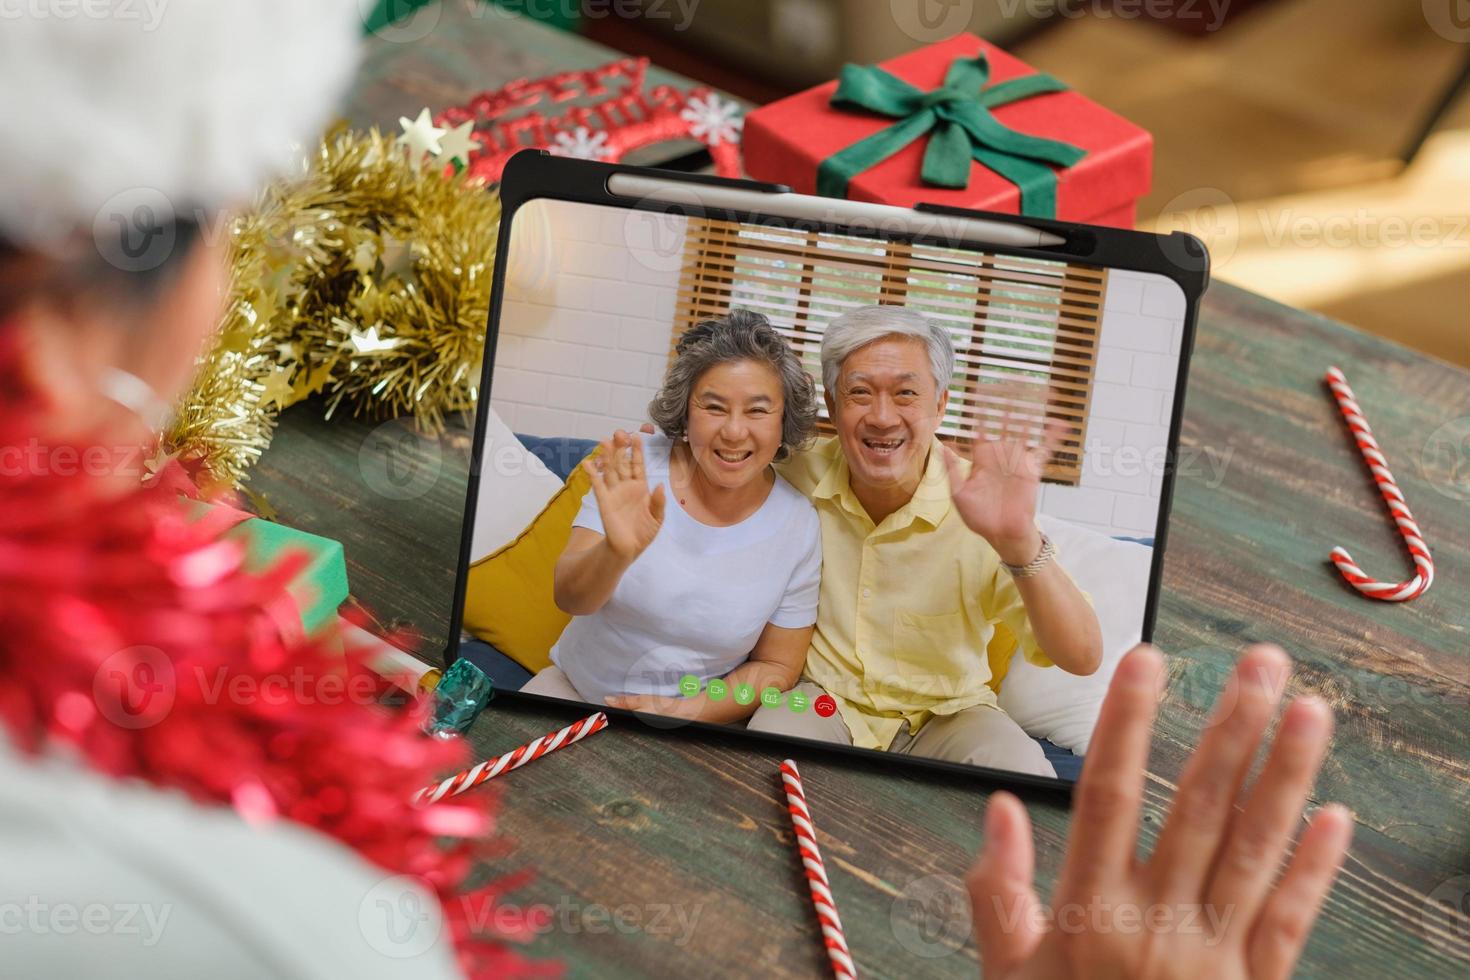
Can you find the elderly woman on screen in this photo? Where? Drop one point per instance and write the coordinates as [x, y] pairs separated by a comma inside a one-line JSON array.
[[691, 557]]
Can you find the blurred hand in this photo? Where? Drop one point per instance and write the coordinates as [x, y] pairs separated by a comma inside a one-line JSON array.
[[631, 516], [1206, 903]]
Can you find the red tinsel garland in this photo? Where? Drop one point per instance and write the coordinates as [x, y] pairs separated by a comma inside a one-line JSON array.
[[128, 634], [611, 119]]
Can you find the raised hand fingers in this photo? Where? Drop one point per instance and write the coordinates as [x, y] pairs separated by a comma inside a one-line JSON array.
[[606, 461], [599, 483], [1245, 869], [636, 460], [1280, 932], [615, 460], [1013, 426], [1002, 898], [1105, 817], [623, 442], [1201, 813]]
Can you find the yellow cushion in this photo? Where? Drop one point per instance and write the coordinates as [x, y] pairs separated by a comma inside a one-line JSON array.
[[508, 595], [998, 653]]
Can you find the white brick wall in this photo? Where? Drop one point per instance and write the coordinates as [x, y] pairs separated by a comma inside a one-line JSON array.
[[587, 318], [1133, 394]]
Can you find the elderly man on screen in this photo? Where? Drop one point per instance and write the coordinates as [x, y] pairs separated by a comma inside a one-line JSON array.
[[925, 556]]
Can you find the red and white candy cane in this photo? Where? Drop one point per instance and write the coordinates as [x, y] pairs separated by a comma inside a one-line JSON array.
[[491, 768], [816, 874], [1347, 402]]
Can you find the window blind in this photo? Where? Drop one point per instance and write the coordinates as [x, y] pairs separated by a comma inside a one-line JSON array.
[[1025, 330]]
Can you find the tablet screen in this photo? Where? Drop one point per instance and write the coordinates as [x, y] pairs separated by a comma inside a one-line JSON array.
[[784, 552]]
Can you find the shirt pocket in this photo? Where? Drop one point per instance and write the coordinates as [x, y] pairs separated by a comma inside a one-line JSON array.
[[933, 657]]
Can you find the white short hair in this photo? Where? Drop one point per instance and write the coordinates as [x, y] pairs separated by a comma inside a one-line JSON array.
[[861, 327], [177, 106]]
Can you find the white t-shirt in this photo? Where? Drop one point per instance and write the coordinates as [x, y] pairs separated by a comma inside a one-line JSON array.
[[697, 599], [117, 878]]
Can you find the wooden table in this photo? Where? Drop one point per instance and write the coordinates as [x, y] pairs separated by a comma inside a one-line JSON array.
[[686, 839]]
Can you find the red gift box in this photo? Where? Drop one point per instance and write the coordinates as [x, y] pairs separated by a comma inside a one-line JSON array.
[[785, 141]]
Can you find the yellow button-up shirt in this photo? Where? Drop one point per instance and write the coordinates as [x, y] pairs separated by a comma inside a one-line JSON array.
[[909, 607]]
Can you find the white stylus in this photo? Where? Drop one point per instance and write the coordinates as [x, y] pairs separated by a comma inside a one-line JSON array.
[[880, 217]]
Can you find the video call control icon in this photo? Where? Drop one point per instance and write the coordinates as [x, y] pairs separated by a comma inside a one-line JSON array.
[[771, 697]]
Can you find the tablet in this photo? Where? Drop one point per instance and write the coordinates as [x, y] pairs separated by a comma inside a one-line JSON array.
[[775, 546]]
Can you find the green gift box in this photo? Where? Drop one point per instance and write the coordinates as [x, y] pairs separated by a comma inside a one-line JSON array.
[[317, 590]]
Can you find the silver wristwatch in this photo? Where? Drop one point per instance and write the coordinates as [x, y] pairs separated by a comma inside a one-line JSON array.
[[1043, 558]]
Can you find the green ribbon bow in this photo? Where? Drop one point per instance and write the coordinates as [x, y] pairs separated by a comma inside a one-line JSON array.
[[958, 114]]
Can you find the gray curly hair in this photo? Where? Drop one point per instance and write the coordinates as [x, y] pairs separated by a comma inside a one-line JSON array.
[[740, 335]]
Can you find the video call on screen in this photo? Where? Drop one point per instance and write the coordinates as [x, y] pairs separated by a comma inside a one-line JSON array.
[[595, 301]]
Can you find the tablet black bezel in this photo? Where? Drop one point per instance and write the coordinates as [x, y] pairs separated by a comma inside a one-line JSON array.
[[536, 174]]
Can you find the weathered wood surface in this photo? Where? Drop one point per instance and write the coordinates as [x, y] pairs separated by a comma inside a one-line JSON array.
[[653, 826]]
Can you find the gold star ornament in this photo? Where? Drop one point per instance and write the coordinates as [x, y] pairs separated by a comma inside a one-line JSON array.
[[368, 342], [421, 136], [459, 142]]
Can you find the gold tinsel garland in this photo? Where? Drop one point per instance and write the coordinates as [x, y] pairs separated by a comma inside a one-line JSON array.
[[366, 278]]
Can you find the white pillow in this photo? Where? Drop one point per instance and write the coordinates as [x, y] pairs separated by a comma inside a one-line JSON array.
[[514, 486], [1048, 702]]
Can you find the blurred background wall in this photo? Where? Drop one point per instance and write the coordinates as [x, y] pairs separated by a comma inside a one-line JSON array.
[[1288, 132]]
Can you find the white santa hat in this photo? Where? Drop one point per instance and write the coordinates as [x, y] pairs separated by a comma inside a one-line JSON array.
[[195, 103]]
